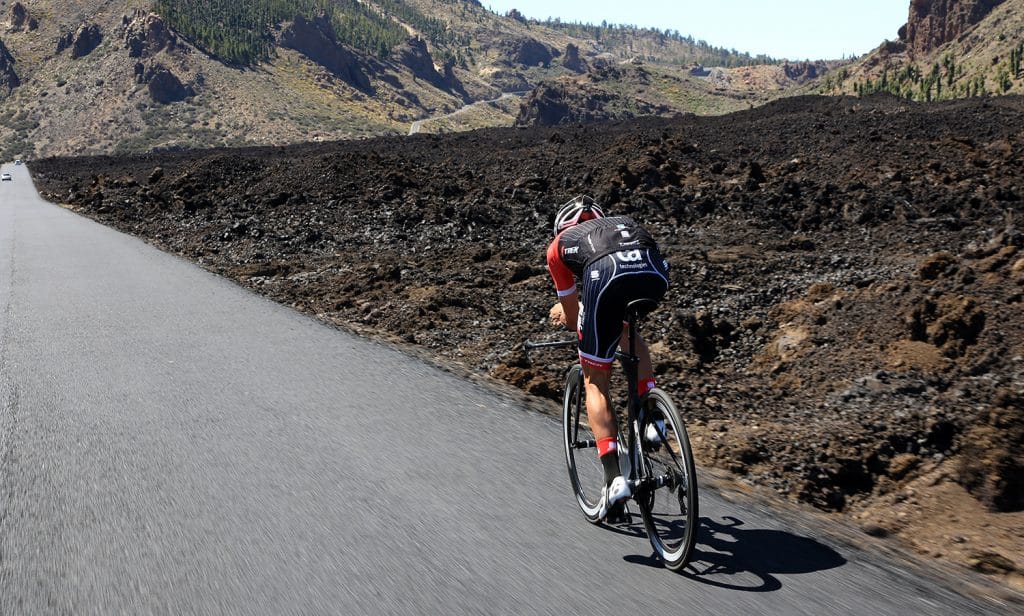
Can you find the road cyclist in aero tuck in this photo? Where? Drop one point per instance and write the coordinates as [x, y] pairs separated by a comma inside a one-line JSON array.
[[615, 261]]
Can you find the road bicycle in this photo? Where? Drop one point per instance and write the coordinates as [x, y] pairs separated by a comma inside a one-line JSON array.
[[654, 453]]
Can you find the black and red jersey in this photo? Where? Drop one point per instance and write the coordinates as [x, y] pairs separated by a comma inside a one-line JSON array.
[[578, 246]]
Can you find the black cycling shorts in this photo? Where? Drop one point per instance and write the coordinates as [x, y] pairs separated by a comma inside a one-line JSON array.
[[609, 284]]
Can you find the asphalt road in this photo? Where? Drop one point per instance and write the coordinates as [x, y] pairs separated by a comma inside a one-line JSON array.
[[415, 127], [171, 443]]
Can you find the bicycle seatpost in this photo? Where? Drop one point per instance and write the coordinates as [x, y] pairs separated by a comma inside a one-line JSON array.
[[634, 310], [631, 361]]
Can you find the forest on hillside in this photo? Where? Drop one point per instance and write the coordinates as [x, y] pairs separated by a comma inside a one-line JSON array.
[[668, 46], [241, 32], [945, 79]]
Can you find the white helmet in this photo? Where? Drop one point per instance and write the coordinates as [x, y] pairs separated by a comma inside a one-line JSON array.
[[577, 210]]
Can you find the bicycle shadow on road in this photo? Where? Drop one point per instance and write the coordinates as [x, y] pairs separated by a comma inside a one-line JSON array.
[[727, 556]]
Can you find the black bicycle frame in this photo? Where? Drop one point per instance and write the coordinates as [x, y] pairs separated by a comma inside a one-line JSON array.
[[630, 363]]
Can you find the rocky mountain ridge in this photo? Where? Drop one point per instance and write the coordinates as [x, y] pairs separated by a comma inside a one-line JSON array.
[[934, 23], [8, 77], [947, 49], [91, 76]]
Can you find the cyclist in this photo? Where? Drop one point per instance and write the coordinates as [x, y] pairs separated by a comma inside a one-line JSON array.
[[616, 261]]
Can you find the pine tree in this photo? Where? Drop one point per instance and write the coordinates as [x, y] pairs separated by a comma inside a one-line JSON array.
[[949, 63]]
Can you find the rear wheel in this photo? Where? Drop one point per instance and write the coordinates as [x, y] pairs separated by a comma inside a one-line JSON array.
[[668, 502], [585, 470]]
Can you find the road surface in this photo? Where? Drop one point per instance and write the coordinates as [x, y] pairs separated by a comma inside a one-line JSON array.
[[415, 127], [171, 443]]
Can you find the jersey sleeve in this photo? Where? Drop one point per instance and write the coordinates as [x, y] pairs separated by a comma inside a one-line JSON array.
[[565, 282]]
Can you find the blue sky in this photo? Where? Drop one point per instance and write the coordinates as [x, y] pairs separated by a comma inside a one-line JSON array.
[[792, 29]]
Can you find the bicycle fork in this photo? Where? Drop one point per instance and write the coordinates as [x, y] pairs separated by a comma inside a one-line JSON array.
[[638, 473]]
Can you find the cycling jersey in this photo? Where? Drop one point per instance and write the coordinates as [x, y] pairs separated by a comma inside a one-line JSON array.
[[579, 245], [617, 261]]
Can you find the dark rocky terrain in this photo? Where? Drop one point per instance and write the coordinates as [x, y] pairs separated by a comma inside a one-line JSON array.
[[845, 325]]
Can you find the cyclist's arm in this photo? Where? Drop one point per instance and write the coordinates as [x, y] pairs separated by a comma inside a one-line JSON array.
[[571, 310], [565, 285]]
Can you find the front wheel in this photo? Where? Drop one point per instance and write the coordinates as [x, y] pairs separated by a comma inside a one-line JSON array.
[[585, 470], [668, 504]]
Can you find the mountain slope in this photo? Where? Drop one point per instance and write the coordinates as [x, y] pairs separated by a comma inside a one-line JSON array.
[[948, 49], [144, 86], [97, 76]]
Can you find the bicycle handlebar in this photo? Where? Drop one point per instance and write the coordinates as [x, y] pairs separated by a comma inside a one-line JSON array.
[[529, 345]]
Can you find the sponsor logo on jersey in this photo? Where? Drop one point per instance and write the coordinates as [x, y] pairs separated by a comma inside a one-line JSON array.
[[570, 250]]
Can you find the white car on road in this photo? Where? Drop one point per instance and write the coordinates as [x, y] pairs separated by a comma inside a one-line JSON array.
[[5, 177]]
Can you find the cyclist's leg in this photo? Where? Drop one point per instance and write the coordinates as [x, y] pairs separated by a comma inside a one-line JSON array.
[[599, 332], [599, 409], [601, 417], [600, 326], [605, 428]]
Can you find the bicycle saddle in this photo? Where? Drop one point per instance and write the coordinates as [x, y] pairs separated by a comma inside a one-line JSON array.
[[641, 307]]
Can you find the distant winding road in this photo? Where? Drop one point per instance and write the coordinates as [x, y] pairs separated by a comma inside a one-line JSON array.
[[418, 124], [171, 443]]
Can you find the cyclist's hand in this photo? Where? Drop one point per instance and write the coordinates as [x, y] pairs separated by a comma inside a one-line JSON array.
[[556, 316]]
